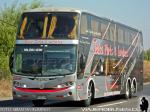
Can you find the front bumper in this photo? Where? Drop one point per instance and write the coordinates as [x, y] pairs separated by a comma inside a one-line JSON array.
[[66, 94]]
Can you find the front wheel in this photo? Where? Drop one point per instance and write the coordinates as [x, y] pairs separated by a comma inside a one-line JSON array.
[[88, 101], [38, 103]]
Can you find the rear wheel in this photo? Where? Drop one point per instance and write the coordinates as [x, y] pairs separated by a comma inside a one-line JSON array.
[[128, 91], [38, 103], [88, 101], [133, 89]]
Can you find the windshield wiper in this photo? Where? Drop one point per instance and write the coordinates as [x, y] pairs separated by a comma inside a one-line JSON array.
[[35, 75], [27, 73], [57, 74], [53, 73], [23, 74]]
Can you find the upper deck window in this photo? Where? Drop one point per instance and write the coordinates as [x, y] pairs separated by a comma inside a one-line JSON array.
[[31, 26], [84, 24], [48, 25], [95, 27], [120, 35]]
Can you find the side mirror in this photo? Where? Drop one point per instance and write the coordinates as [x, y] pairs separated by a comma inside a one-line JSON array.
[[11, 58]]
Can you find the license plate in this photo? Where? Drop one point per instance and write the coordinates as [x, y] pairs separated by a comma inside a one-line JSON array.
[[41, 97]]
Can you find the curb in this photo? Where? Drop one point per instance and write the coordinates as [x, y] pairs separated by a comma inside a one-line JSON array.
[[5, 98], [147, 83]]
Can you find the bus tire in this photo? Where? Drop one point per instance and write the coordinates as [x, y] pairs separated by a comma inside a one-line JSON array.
[[38, 103], [128, 93], [133, 88], [88, 101]]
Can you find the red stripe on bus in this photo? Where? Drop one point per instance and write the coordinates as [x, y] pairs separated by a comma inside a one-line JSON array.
[[40, 90]]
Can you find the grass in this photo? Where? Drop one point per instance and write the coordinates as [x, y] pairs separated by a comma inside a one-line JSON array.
[[5, 88], [146, 71], [6, 85]]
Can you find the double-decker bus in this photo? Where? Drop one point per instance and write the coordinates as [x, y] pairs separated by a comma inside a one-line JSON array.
[[72, 55]]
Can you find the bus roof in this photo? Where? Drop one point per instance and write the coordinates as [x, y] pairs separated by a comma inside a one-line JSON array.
[[115, 22], [68, 9], [54, 9]]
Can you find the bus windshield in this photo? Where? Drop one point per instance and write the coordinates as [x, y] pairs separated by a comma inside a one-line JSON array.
[[59, 60], [48, 25], [52, 60]]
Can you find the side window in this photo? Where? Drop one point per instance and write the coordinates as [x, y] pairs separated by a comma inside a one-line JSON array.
[[95, 27], [109, 64], [104, 30], [112, 32], [141, 39], [141, 43], [81, 64], [115, 33], [133, 37], [97, 66], [127, 37], [120, 35], [84, 24]]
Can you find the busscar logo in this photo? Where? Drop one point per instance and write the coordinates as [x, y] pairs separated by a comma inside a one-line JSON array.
[[144, 104], [41, 86]]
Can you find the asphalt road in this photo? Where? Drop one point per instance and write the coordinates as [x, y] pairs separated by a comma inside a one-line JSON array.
[[115, 103]]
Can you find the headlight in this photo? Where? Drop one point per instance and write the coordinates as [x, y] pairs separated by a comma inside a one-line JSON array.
[[64, 85], [19, 84]]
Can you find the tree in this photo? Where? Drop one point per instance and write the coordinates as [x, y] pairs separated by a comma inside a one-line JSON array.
[[9, 18], [147, 55]]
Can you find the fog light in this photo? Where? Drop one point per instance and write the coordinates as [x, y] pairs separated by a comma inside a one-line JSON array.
[[14, 93], [70, 93]]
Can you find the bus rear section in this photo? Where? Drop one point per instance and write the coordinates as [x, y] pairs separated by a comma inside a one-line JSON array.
[[110, 59]]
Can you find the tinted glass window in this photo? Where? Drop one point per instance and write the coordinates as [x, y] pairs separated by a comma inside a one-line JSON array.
[[84, 24], [104, 30], [112, 32], [127, 37], [95, 27], [120, 35], [45, 25]]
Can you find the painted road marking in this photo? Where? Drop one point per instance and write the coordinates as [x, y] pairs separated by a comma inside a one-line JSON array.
[[112, 104]]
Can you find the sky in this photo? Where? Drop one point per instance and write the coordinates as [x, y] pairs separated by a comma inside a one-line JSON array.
[[134, 13]]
